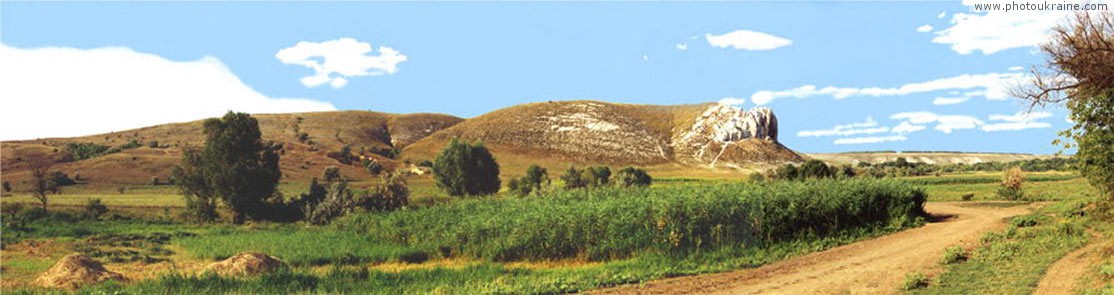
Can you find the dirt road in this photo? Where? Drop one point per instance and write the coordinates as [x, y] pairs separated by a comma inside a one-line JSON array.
[[1063, 276], [868, 267]]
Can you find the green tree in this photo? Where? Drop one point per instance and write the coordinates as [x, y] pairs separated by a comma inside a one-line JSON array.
[[573, 178], [332, 174], [597, 176], [235, 166], [631, 176], [535, 178], [1079, 74], [463, 169]]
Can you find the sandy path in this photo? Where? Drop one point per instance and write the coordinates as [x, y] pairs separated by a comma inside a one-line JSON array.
[[872, 266], [1063, 276]]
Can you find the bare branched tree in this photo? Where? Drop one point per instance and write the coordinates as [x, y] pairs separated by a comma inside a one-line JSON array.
[[1079, 75]]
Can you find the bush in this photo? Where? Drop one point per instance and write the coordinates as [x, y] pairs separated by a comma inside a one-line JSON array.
[[954, 254], [573, 178], [94, 208], [392, 194], [7, 186], [630, 176], [82, 151], [373, 167], [1010, 188], [968, 196], [597, 176], [535, 178], [463, 169], [914, 280], [332, 174], [614, 223], [756, 177]]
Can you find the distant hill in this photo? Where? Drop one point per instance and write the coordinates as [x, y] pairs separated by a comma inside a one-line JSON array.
[[930, 157], [555, 134], [324, 132], [676, 140]]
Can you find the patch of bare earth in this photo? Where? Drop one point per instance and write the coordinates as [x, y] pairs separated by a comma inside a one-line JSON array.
[[1063, 276], [868, 267]]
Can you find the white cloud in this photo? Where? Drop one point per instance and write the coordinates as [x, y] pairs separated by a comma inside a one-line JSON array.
[[645, 57], [1019, 121], [956, 98], [949, 100], [1016, 68], [682, 46], [924, 29], [336, 60], [992, 31], [944, 123], [59, 92], [869, 139], [747, 40], [868, 127], [732, 101], [905, 128], [942, 14], [995, 86]]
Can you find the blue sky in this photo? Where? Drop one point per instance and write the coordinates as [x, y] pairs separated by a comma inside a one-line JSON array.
[[936, 69]]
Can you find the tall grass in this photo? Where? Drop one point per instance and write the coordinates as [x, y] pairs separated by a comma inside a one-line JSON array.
[[608, 224], [298, 246]]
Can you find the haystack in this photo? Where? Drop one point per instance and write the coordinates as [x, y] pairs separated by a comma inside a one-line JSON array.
[[246, 264], [76, 270]]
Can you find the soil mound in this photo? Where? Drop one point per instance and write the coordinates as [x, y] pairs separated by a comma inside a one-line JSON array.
[[246, 264], [76, 270]]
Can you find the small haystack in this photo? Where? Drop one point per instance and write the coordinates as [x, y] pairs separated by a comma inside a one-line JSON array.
[[76, 270], [246, 264]]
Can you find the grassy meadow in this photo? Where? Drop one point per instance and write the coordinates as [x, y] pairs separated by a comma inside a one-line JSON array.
[[558, 242]]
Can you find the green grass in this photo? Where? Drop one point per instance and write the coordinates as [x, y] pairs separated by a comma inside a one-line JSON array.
[[296, 245], [612, 223], [1014, 260], [1047, 190]]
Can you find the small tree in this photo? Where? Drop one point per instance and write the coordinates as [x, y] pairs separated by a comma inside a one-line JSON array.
[[466, 169], [372, 167], [597, 176], [535, 178], [1011, 184], [573, 178], [7, 186], [332, 174], [41, 185], [631, 176], [392, 194], [94, 208]]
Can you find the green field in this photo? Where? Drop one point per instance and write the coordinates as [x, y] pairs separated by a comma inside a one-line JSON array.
[[561, 241]]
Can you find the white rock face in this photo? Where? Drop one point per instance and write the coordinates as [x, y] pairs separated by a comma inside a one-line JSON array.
[[720, 126]]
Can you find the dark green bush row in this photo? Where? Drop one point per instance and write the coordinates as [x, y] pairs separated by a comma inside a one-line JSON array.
[[614, 223]]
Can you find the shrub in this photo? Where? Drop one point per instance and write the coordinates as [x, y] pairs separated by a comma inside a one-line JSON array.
[[630, 176], [155, 180], [392, 194], [614, 223], [573, 178], [914, 280], [7, 186], [82, 151], [94, 208], [535, 178], [757, 177], [153, 144], [373, 167], [1024, 221], [332, 174], [1010, 188], [463, 169], [597, 176], [425, 163], [968, 196], [954, 254]]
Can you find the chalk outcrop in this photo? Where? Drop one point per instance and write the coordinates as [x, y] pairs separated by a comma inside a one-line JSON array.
[[728, 135]]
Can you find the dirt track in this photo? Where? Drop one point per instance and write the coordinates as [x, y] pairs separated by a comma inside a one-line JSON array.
[[1063, 276], [872, 266]]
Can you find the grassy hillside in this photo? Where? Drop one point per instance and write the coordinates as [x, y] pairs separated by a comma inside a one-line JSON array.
[[557, 134], [307, 139]]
